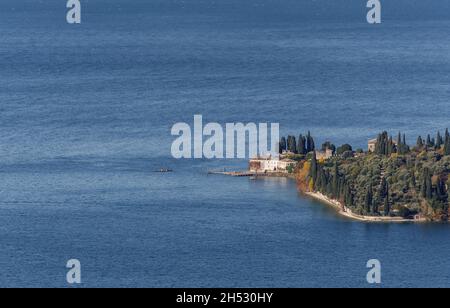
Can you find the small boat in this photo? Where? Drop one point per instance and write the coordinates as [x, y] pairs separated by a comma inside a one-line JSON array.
[[164, 170]]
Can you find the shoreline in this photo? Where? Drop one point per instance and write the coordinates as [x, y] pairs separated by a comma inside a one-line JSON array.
[[255, 174], [341, 210], [349, 214]]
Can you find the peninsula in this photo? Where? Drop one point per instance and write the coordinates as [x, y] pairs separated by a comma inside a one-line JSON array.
[[389, 182]]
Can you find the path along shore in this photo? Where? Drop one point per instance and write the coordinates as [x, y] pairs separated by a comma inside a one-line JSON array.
[[344, 211]]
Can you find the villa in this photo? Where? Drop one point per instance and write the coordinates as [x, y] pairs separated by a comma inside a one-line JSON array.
[[271, 164], [324, 155], [371, 146]]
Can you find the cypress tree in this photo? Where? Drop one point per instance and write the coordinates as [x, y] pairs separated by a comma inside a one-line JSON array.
[[390, 147], [383, 188], [427, 185], [310, 146], [301, 148], [318, 182], [429, 143], [423, 188], [405, 147], [447, 148], [348, 195], [375, 207], [387, 208], [292, 144], [323, 180], [283, 144], [420, 142], [384, 145], [439, 141], [447, 143], [441, 192], [335, 181], [308, 142], [313, 171], [369, 199]]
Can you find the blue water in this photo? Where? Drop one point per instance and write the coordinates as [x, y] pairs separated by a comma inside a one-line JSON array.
[[85, 117]]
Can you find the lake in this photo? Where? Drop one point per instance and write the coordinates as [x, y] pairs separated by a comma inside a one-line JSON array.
[[85, 118]]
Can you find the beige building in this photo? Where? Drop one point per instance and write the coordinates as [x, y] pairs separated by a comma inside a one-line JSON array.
[[324, 155], [270, 164], [371, 145]]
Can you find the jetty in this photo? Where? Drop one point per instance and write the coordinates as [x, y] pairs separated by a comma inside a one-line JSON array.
[[238, 173], [251, 174]]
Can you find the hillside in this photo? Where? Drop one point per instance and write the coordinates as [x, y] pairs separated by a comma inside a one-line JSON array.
[[398, 183]]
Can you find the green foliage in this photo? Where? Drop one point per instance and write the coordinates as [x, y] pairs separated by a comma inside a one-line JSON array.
[[283, 145], [310, 145], [344, 148], [328, 146], [384, 185], [447, 143], [292, 144], [301, 147], [385, 145], [409, 182]]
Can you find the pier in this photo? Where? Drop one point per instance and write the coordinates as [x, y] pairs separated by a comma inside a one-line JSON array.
[[248, 173], [238, 173]]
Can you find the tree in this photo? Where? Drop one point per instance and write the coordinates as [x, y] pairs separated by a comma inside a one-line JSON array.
[[403, 148], [447, 143], [369, 199], [344, 148], [292, 144], [383, 188], [336, 181], [439, 141], [441, 191], [430, 142], [348, 196], [420, 142], [301, 147], [328, 146], [387, 207], [310, 146], [427, 185], [447, 147], [385, 144], [283, 145], [313, 171]]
